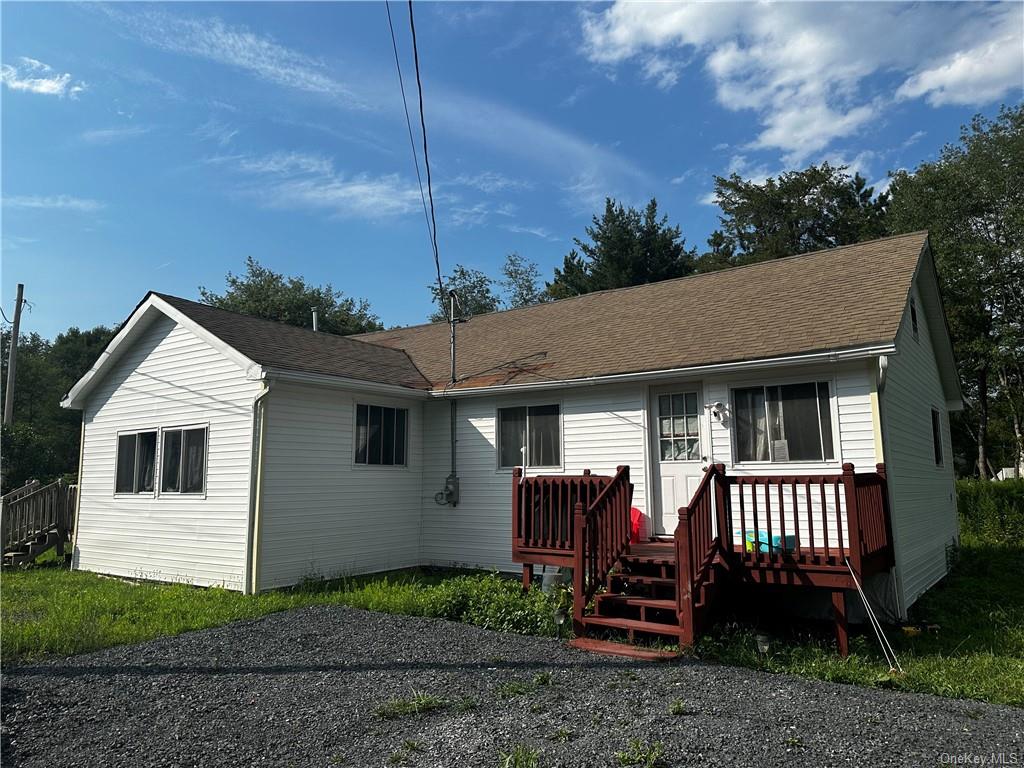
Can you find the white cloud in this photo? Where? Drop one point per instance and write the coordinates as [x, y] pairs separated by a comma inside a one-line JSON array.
[[210, 38], [216, 131], [472, 216], [54, 203], [302, 181], [913, 138], [803, 67], [491, 182], [577, 93], [979, 74], [540, 232], [33, 76], [112, 135], [681, 178]]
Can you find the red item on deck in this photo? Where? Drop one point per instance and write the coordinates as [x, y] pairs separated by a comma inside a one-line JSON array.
[[636, 520]]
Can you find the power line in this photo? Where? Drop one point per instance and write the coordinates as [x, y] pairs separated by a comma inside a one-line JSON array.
[[426, 158], [412, 141]]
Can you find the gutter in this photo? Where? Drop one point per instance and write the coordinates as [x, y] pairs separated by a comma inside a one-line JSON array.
[[259, 424], [344, 383], [828, 356]]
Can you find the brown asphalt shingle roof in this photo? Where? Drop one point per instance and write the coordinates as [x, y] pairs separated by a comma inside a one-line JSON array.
[[827, 300], [286, 347]]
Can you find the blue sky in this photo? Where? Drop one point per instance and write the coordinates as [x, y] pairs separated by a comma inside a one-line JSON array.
[[157, 146]]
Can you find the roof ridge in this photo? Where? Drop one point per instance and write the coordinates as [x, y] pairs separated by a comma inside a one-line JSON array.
[[278, 323], [695, 275]]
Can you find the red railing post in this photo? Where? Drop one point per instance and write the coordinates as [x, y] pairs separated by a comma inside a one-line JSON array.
[[723, 500], [684, 580], [579, 575], [854, 534]]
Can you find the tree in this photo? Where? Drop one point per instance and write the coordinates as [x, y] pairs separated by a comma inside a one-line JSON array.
[[261, 292], [800, 211], [521, 282], [627, 247], [474, 289], [972, 202], [43, 442]]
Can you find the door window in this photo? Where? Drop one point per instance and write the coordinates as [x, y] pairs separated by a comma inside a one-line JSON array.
[[679, 427]]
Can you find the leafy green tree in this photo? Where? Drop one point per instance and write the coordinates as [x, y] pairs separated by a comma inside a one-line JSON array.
[[972, 202], [474, 289], [800, 211], [521, 282], [261, 292], [43, 442], [626, 247]]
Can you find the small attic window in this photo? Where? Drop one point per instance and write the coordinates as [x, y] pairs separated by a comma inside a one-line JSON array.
[[913, 317]]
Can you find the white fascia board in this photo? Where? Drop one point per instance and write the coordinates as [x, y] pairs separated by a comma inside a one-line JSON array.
[[828, 356], [141, 318], [341, 382]]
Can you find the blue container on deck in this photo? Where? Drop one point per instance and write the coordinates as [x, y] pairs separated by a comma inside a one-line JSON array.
[[758, 541]]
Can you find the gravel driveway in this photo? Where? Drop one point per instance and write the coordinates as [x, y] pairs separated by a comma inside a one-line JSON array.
[[302, 689]]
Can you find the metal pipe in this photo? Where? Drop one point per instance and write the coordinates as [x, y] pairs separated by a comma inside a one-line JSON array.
[[316, 321]]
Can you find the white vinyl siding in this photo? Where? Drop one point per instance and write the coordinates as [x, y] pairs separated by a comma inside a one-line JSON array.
[[924, 507], [168, 377], [602, 427], [321, 513]]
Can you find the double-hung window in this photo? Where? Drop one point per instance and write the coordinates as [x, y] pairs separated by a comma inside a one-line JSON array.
[[530, 436], [382, 435], [783, 422], [183, 460], [136, 462]]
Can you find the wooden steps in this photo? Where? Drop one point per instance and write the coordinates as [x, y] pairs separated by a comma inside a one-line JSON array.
[[643, 602], [607, 648]]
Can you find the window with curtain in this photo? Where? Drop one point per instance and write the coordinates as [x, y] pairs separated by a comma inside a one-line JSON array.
[[381, 435], [783, 422], [530, 436], [136, 463], [183, 461]]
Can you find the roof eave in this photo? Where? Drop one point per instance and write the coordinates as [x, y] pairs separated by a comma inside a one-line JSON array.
[[826, 356]]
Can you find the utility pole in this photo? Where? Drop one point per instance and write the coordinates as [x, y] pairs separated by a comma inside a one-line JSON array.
[[12, 359]]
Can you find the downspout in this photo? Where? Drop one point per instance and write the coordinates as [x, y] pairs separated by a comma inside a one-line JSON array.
[[259, 423], [78, 491]]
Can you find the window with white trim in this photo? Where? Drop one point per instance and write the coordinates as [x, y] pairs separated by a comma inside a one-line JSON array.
[[183, 460], [136, 462], [382, 435], [783, 422], [530, 436], [679, 426]]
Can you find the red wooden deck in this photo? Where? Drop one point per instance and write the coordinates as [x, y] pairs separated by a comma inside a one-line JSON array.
[[667, 588]]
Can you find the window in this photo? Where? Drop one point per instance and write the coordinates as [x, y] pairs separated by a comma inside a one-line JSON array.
[[530, 436], [183, 461], [381, 435], [937, 437], [913, 316], [783, 422], [678, 427], [136, 463]]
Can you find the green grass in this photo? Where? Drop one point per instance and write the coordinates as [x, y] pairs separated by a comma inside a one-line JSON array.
[[974, 650], [50, 611], [520, 756], [642, 754], [417, 703]]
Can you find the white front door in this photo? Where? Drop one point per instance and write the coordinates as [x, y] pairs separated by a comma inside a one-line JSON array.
[[679, 458]]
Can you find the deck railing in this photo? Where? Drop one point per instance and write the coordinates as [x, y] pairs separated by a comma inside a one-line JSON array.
[[601, 533], [697, 543], [807, 519], [45, 509], [542, 514]]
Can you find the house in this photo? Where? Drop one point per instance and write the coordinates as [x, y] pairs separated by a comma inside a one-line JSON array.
[[728, 408]]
